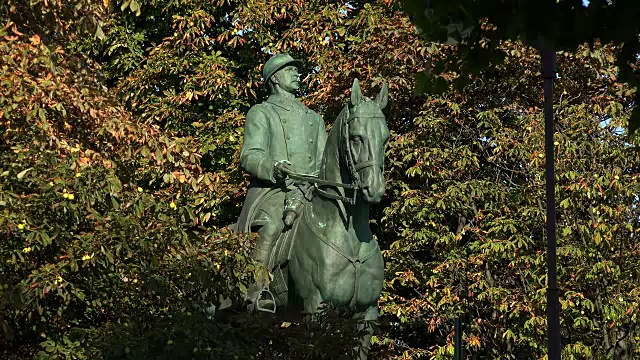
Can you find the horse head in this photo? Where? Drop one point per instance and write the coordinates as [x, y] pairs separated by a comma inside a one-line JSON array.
[[356, 146]]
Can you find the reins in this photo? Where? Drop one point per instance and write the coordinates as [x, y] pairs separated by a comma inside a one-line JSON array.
[[317, 182]]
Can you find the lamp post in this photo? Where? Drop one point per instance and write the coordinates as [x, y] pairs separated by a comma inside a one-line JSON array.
[[457, 339], [548, 57]]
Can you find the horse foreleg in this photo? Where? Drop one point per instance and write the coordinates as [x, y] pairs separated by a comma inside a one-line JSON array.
[[370, 315], [312, 302], [311, 305]]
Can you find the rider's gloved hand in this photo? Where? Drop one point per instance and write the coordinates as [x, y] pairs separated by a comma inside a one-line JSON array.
[[281, 169]]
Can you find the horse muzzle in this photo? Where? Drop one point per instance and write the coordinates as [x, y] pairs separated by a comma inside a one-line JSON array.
[[374, 186]]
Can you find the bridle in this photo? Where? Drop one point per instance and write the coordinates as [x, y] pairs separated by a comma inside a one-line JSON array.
[[352, 166]]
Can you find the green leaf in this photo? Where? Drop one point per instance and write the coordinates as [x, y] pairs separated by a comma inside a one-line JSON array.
[[242, 288], [42, 114], [134, 6], [125, 4], [115, 203], [145, 151]]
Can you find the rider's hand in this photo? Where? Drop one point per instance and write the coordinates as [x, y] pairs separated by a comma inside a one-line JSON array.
[[281, 169]]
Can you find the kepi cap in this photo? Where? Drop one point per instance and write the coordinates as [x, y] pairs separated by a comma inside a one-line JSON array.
[[276, 63]]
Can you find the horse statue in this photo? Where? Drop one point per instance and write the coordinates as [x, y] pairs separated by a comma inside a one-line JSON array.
[[329, 256]]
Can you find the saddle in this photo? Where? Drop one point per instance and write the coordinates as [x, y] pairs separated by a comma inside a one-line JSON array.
[[279, 262], [277, 293]]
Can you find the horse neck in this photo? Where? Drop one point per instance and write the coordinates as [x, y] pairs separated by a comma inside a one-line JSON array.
[[354, 219], [335, 214]]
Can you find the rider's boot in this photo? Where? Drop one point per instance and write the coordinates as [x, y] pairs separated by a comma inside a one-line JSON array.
[[262, 252], [268, 236]]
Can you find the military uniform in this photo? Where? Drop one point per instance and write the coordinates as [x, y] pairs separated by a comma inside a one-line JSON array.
[[281, 128]]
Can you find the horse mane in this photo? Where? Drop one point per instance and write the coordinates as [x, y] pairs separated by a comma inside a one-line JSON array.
[[330, 166]]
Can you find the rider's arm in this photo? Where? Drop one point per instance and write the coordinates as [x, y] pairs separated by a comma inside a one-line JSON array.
[[254, 157], [321, 141]]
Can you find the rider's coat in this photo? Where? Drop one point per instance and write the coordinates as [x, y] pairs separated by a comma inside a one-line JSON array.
[[280, 128]]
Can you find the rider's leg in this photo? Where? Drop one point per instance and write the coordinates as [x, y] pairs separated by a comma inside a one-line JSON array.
[[267, 236]]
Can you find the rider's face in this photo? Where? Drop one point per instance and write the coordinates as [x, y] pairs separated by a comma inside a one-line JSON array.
[[287, 78]]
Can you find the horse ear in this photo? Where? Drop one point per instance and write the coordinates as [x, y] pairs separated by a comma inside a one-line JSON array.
[[383, 96], [356, 94]]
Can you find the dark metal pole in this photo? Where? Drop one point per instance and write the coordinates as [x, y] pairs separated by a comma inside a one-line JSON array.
[[457, 339], [553, 315]]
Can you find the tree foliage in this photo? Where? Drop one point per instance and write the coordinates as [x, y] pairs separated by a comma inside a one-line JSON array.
[[469, 215], [113, 245], [478, 27], [122, 123]]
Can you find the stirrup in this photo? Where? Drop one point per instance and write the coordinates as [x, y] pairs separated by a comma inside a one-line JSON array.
[[273, 301]]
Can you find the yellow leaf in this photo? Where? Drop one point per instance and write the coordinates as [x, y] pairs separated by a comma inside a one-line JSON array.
[[99, 33], [22, 173]]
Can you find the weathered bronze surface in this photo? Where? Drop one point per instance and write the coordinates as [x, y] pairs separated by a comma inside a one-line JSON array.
[[326, 184]]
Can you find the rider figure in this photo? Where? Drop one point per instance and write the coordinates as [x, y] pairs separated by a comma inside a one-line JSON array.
[[281, 136]]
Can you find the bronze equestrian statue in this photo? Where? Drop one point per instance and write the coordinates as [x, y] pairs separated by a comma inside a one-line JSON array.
[[309, 198]]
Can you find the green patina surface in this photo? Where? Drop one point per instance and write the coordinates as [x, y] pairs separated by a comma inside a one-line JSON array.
[[316, 241]]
